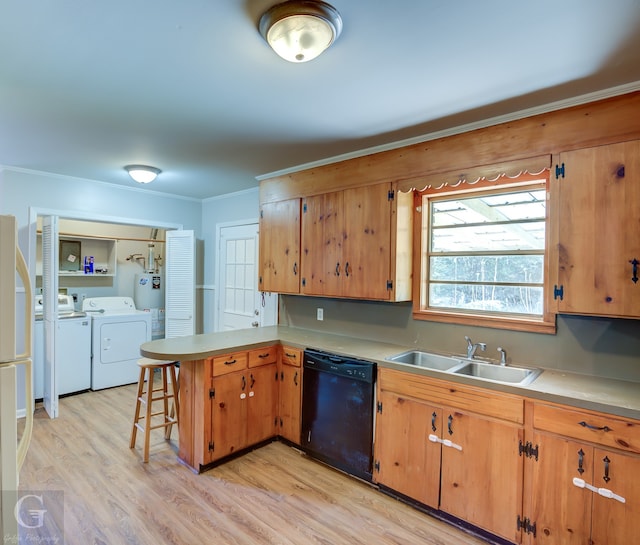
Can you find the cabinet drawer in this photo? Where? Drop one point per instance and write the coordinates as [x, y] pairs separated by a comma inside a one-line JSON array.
[[599, 428], [291, 356], [229, 363], [452, 394], [263, 356]]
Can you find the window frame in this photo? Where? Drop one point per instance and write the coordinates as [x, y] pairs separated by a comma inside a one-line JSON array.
[[546, 323]]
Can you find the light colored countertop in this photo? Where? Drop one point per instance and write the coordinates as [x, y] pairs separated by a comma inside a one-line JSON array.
[[617, 397]]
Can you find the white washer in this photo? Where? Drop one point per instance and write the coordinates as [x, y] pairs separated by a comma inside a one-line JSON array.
[[117, 332], [72, 345]]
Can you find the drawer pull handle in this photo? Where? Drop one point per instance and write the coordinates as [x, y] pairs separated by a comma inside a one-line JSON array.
[[292, 356], [449, 422], [295, 378], [244, 383], [433, 421], [606, 477], [253, 381], [580, 461], [230, 362], [596, 428], [265, 355]]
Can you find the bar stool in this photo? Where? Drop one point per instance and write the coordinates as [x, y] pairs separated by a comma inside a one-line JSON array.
[[147, 398]]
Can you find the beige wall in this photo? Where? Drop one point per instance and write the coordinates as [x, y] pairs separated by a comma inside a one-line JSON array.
[[594, 346]]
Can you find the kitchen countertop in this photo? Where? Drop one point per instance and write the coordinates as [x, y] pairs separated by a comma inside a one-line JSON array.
[[612, 396]]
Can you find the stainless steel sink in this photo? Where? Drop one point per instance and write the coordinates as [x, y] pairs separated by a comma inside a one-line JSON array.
[[498, 373], [425, 359]]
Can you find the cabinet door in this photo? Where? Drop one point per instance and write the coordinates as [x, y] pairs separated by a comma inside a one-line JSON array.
[[406, 460], [482, 472], [262, 403], [560, 510], [290, 405], [322, 241], [279, 247], [614, 521], [229, 414], [366, 260], [597, 217]]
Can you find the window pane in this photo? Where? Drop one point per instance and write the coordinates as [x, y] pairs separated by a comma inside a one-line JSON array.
[[504, 299], [504, 269], [511, 221], [486, 251]]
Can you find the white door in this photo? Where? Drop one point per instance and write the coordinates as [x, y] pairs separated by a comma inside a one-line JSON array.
[[180, 299], [240, 304], [50, 311]]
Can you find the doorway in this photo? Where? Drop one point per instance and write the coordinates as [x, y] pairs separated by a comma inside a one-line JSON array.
[[240, 304]]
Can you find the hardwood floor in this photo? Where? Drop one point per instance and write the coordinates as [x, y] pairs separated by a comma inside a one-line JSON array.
[[273, 495]]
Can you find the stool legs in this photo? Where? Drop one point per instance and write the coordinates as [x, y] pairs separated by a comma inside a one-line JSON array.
[[134, 429], [146, 398]]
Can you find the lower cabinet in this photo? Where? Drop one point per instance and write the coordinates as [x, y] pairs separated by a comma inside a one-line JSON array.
[[452, 447], [244, 397], [583, 490], [405, 460], [290, 399], [229, 402]]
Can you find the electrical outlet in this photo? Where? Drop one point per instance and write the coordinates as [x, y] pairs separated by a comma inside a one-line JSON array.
[[320, 314]]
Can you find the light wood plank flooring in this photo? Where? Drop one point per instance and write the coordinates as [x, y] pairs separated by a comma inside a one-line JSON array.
[[273, 495]]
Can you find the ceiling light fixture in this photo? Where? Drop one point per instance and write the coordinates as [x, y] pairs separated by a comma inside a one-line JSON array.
[[142, 174], [299, 30]]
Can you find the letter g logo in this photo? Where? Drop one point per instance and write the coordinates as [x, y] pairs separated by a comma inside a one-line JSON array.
[[35, 516]]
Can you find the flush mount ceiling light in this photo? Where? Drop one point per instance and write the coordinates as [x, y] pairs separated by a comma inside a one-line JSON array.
[[142, 174], [299, 30]]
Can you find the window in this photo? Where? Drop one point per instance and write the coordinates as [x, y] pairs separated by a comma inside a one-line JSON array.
[[483, 254]]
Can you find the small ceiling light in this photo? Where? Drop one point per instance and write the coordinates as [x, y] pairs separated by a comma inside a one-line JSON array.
[[142, 174], [299, 30]]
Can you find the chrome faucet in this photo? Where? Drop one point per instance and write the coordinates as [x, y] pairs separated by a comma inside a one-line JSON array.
[[503, 356], [471, 348]]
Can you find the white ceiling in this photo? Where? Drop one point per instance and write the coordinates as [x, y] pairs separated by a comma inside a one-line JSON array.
[[189, 86]]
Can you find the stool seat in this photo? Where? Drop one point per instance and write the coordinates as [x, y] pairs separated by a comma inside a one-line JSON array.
[[143, 420]]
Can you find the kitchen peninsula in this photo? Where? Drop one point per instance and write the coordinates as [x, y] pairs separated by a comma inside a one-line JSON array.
[[528, 431], [617, 397]]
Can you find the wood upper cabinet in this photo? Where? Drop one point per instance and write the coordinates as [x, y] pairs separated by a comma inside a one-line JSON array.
[[290, 400], [346, 243], [452, 446], [354, 243], [582, 490], [279, 247], [596, 221]]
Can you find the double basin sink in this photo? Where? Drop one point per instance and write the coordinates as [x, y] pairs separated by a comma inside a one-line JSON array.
[[479, 369]]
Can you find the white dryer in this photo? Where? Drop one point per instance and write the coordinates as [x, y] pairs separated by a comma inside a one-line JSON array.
[[117, 331]]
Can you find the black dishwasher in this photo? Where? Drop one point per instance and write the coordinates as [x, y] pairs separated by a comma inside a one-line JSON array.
[[337, 411]]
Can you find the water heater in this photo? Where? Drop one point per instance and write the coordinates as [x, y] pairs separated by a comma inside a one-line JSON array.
[[148, 294]]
